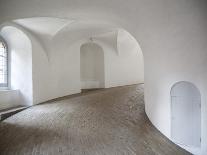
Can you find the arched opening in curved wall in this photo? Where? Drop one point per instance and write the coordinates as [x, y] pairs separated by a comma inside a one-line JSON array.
[[20, 91], [121, 60], [92, 66], [186, 114]]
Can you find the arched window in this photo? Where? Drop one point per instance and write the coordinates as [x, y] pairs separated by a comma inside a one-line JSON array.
[[3, 64]]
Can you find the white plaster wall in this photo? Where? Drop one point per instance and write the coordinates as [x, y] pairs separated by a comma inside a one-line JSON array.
[[172, 35], [42, 74], [57, 74], [178, 53], [9, 99], [20, 55], [124, 66]]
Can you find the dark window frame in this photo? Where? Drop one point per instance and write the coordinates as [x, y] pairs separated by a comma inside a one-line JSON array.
[[6, 84]]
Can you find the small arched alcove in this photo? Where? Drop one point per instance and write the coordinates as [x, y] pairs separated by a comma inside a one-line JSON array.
[[186, 114], [92, 66]]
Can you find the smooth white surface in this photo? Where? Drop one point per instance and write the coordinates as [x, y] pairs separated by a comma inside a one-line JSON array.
[[20, 58], [9, 99], [172, 35], [186, 114], [126, 65], [92, 66], [44, 25]]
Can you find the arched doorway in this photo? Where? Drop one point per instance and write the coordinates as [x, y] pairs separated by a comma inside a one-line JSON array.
[[186, 114], [92, 66]]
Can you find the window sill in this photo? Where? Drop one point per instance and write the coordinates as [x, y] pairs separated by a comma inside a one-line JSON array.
[[7, 90]]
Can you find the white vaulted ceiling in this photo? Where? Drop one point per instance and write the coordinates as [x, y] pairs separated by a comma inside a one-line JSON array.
[[44, 25]]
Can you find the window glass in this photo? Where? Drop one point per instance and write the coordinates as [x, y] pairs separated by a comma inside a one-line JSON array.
[[3, 65]]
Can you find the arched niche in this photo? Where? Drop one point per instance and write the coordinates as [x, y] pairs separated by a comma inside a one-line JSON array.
[[186, 114], [92, 66]]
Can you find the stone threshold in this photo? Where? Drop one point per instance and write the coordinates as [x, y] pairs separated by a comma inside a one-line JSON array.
[[5, 113]]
